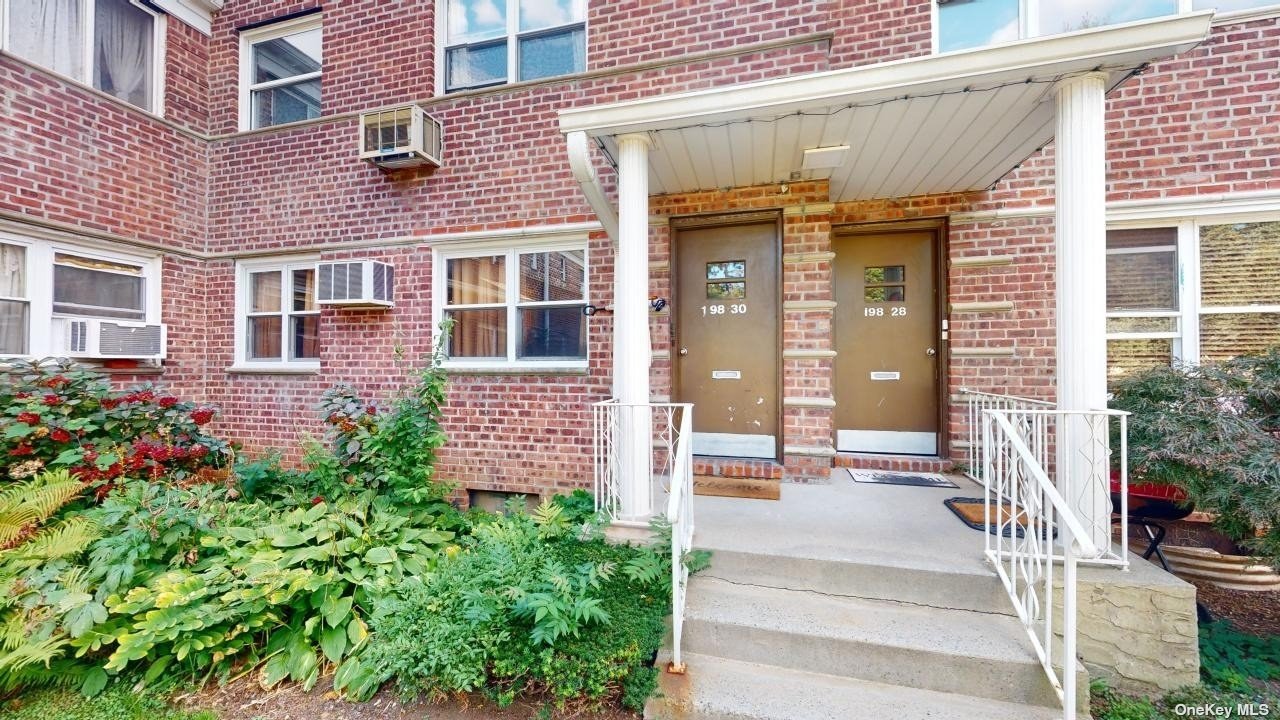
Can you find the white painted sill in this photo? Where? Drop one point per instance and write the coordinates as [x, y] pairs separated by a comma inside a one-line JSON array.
[[516, 369], [275, 369]]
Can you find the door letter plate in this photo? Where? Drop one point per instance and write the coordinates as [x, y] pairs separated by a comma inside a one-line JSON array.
[[886, 376], [726, 374]]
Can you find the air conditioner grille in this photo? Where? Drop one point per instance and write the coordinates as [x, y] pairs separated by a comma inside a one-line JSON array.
[[77, 336], [383, 282], [125, 340]]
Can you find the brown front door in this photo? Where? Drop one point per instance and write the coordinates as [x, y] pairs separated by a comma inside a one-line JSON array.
[[726, 337], [886, 325]]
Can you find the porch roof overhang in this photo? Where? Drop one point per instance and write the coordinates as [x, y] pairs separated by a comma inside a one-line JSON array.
[[950, 122]]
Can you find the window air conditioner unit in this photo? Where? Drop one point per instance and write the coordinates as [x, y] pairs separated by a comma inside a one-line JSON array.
[[108, 339], [402, 137], [359, 283]]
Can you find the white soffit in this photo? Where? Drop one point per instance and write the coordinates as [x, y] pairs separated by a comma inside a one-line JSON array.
[[950, 122]]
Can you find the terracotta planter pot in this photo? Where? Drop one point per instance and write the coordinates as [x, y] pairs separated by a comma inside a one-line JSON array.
[[1235, 572]]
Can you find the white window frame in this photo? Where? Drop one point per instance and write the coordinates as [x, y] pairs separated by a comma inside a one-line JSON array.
[[512, 36], [1029, 19], [243, 299], [274, 31], [511, 300], [159, 31], [39, 284], [1186, 340]]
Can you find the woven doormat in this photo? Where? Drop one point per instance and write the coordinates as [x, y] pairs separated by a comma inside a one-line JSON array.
[[972, 512], [881, 477]]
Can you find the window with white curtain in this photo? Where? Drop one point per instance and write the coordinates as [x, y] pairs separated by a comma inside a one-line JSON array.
[[490, 42], [962, 24], [277, 318], [43, 279], [15, 306], [113, 45], [280, 72], [1191, 290]]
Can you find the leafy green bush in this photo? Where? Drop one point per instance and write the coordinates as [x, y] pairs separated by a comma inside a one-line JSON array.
[[59, 415], [120, 701], [1236, 661], [1210, 431], [290, 590], [526, 607]]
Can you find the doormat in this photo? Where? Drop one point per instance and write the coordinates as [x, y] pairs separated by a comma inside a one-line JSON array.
[[892, 478], [747, 488], [972, 512]]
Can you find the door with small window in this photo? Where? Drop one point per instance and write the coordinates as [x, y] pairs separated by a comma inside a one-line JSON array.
[[726, 337], [886, 338]]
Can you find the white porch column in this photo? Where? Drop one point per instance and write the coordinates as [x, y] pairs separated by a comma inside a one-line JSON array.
[[1082, 290], [631, 344]]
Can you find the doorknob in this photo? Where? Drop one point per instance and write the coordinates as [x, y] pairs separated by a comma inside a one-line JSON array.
[[684, 351], [930, 352]]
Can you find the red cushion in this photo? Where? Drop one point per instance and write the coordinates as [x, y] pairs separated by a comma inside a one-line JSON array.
[[1154, 491]]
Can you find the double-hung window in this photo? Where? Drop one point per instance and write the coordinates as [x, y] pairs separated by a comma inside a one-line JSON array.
[[114, 45], [280, 72], [43, 282], [514, 307], [277, 319], [1191, 290], [15, 303], [490, 42], [962, 24]]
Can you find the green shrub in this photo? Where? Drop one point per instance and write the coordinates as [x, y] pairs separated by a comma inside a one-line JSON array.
[[1236, 661], [526, 607], [120, 701], [1208, 430], [290, 590]]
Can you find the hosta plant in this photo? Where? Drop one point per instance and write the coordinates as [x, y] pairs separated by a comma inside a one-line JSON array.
[[289, 591]]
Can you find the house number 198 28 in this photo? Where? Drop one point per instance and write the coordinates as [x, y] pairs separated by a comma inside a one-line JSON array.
[[900, 311]]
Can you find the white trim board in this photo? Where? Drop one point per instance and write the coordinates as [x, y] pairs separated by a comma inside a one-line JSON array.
[[887, 441], [735, 445]]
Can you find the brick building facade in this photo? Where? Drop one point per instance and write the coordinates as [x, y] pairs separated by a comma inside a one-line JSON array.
[[223, 217]]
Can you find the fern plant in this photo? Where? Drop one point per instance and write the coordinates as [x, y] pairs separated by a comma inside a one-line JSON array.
[[42, 597]]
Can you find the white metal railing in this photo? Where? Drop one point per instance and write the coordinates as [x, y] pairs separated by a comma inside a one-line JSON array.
[[1033, 525], [670, 467], [976, 402], [680, 517]]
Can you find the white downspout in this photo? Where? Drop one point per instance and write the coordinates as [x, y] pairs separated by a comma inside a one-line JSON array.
[[585, 173]]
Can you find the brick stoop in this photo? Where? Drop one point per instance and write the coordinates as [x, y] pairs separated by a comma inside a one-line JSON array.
[[737, 467], [896, 463]]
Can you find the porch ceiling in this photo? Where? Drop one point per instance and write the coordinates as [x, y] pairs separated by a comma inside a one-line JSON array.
[[943, 123]]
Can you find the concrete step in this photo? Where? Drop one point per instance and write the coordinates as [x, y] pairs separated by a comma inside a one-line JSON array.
[[927, 648], [944, 585], [719, 689]]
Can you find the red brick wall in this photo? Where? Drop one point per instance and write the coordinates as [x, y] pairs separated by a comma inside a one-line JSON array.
[[186, 77], [72, 156]]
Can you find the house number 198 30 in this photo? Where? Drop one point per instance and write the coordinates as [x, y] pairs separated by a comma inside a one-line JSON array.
[[720, 309]]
